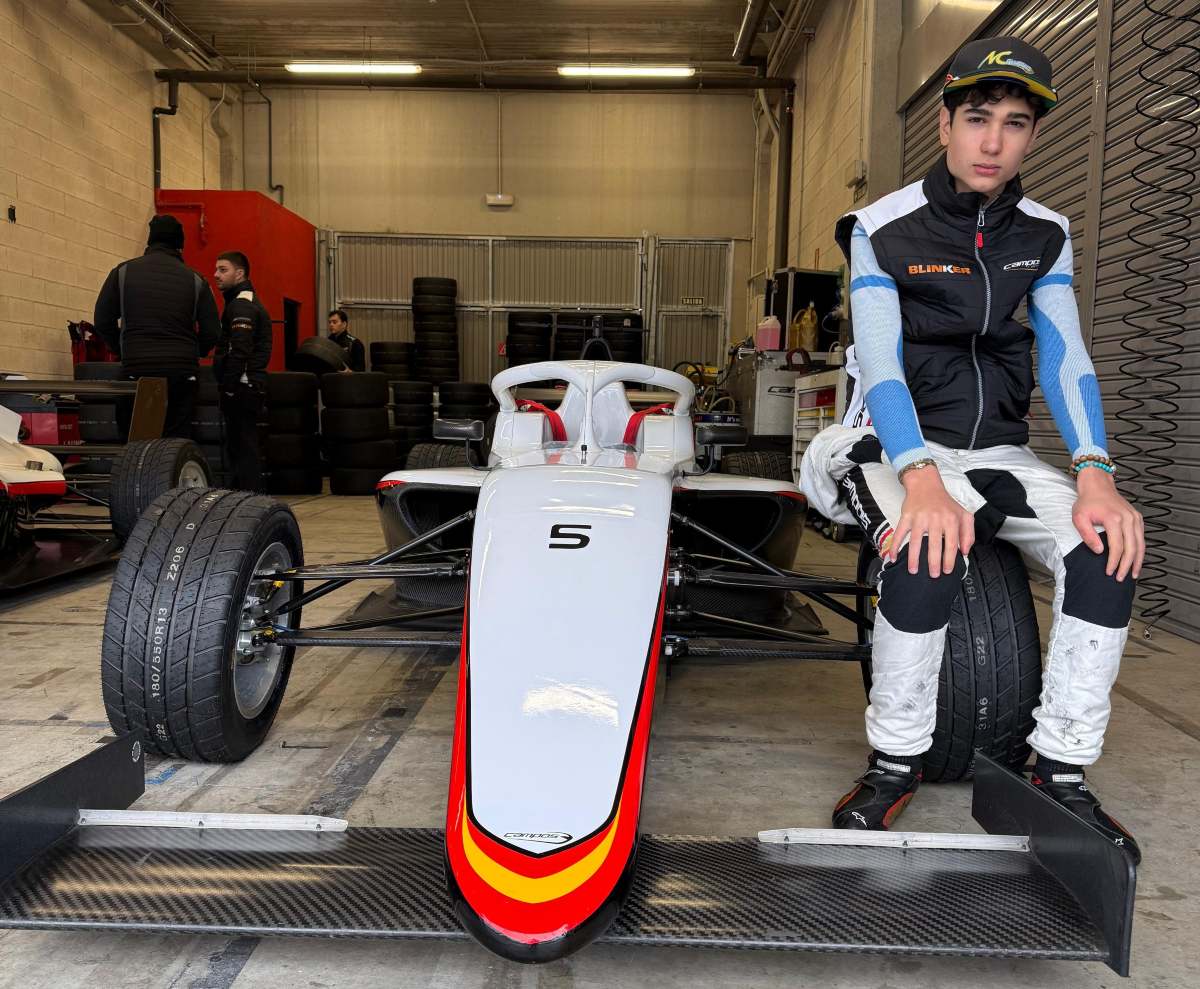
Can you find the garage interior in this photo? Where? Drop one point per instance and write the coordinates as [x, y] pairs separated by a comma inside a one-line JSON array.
[[686, 208]]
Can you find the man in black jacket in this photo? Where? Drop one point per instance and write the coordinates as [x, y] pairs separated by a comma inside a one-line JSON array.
[[339, 333], [148, 312], [240, 365]]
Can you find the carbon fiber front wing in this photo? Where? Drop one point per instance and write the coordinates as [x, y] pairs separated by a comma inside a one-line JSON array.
[[1065, 892]]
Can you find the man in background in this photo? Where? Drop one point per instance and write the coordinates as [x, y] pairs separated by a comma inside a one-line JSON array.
[[339, 333], [159, 317], [240, 365]]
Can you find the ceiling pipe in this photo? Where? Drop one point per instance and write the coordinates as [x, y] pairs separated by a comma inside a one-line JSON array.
[[173, 35], [752, 20], [275, 77]]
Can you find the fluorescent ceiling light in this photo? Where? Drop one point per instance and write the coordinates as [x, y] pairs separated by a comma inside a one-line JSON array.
[[654, 71], [353, 68]]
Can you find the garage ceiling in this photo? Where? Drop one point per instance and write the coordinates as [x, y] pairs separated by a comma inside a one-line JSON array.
[[516, 34]]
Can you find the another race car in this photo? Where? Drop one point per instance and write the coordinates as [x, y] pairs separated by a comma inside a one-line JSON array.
[[588, 549], [56, 519]]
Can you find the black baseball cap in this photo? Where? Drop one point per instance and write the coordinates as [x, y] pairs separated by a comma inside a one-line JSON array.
[[1002, 59]]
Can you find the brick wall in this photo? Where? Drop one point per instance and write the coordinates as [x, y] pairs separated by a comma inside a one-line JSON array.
[[75, 161], [827, 134]]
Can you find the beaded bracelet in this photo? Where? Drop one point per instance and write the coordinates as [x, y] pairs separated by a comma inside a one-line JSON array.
[[1091, 458]]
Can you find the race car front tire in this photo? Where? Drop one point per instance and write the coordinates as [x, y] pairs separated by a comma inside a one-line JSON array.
[[147, 469], [179, 666]]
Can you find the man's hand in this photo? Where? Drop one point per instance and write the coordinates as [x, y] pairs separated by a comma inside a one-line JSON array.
[[1100, 504], [928, 510]]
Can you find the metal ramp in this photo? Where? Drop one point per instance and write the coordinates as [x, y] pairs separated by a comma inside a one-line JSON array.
[[1062, 892]]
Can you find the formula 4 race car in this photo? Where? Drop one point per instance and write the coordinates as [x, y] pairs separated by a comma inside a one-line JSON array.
[[588, 550], [55, 520]]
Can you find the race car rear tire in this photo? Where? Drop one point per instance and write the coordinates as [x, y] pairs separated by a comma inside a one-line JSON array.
[[428, 455], [775, 465], [991, 669], [147, 469], [172, 669]]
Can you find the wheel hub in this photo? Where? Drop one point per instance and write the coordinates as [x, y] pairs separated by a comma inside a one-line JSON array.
[[256, 659]]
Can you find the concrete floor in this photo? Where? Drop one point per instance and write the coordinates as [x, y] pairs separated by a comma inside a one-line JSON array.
[[365, 735]]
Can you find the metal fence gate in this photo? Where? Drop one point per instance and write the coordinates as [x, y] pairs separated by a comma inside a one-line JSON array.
[[372, 280], [682, 288]]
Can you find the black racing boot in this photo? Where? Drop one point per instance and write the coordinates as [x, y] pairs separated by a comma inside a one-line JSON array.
[[1066, 784], [880, 794]]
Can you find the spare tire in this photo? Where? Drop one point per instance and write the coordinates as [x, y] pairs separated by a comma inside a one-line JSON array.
[[355, 480], [393, 372], [318, 355], [775, 465], [412, 391], [429, 285], [99, 371], [147, 469], [293, 419], [294, 481], [204, 691], [98, 423], [374, 454], [354, 424], [361, 390], [433, 305], [292, 388], [991, 673]]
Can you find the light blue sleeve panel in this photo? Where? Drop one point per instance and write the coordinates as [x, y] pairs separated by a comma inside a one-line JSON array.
[[1065, 370], [879, 347]]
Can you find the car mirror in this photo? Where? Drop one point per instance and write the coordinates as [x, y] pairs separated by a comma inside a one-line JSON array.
[[470, 430], [720, 434]]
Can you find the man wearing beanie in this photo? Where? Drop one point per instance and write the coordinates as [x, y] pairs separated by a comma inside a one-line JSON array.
[[160, 317], [938, 271]]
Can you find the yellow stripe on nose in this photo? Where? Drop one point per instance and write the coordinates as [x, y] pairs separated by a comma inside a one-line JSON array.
[[538, 889]]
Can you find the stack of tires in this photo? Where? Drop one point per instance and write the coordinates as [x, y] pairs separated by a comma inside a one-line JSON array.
[[393, 359], [624, 338], [354, 425], [98, 422], [528, 338], [465, 400], [570, 335], [292, 452], [412, 415], [435, 329], [208, 428]]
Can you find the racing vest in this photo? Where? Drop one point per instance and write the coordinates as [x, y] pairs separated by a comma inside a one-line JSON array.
[[962, 268]]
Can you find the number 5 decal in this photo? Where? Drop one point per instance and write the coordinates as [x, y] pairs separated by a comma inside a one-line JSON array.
[[568, 539]]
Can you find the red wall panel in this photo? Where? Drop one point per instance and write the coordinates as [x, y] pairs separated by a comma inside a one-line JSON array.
[[281, 246]]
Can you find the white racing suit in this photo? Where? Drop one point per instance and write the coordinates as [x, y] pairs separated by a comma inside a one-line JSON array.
[[1015, 497]]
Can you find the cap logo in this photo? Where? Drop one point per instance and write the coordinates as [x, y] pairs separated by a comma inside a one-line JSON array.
[[1002, 58]]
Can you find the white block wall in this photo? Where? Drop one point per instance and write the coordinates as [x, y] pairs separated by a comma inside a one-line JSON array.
[[75, 161]]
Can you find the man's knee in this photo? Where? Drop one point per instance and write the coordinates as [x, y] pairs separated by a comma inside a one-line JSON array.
[[917, 602], [1092, 595]]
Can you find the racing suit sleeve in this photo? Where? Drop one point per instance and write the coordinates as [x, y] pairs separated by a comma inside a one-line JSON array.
[[879, 347], [241, 344], [209, 322], [263, 340], [108, 311], [1065, 370]]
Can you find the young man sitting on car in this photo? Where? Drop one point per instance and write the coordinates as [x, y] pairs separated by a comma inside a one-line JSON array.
[[937, 271]]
